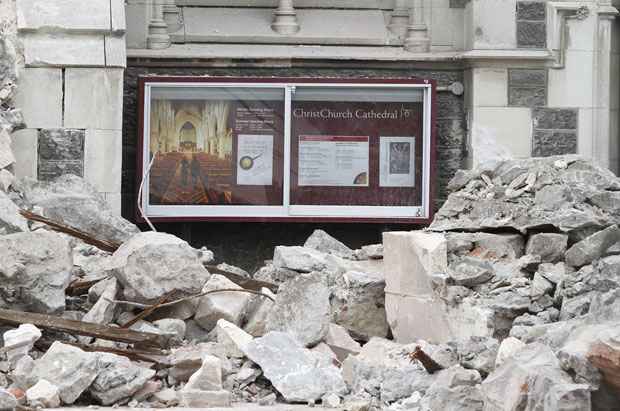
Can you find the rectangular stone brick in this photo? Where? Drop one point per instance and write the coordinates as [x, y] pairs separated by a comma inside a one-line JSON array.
[[531, 10], [103, 152], [527, 77], [551, 143], [39, 96], [531, 34], [527, 97], [61, 49], [24, 145], [80, 15], [555, 118]]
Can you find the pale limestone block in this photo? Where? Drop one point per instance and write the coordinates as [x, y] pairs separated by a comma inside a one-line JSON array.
[[114, 200], [25, 149], [63, 14], [117, 12], [490, 87], [61, 49], [491, 25], [585, 134], [137, 17], [410, 258], [413, 318], [94, 98], [510, 127], [103, 153], [115, 51], [39, 96], [573, 85]]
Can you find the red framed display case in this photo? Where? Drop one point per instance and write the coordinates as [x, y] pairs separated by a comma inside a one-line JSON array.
[[286, 149]]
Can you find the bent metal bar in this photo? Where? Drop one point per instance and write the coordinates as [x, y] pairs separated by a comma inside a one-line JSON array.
[[286, 149]]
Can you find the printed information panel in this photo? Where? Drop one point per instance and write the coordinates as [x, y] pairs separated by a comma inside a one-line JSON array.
[[286, 149], [337, 161]]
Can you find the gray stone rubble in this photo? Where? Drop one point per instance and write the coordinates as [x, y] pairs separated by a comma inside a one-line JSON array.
[[507, 305]]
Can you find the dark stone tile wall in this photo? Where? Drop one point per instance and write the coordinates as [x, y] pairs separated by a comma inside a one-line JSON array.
[[555, 131], [531, 24], [527, 87], [248, 244], [61, 151]]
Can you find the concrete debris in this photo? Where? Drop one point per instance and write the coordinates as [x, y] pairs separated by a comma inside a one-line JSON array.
[[507, 349], [204, 399], [43, 394], [10, 219], [256, 324], [7, 400], [208, 377], [232, 338], [172, 326], [302, 309], [549, 246], [150, 265], [71, 369], [228, 305], [23, 339], [39, 262], [592, 247], [339, 340], [358, 305], [72, 201], [301, 259], [297, 373], [323, 242]]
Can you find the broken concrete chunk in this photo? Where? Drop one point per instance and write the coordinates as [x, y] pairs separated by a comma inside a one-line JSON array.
[[256, 324], [470, 272], [568, 397], [10, 219], [526, 377], [208, 377], [540, 286], [7, 400], [358, 305], [302, 309], [233, 269], [23, 338], [229, 305], [301, 259], [478, 353], [151, 265], [339, 340], [294, 371], [70, 200], [186, 360], [370, 252], [118, 378], [71, 369], [171, 326], [43, 394], [549, 246], [454, 388], [272, 274], [39, 262], [507, 349], [321, 241], [592, 247], [232, 338], [104, 309]]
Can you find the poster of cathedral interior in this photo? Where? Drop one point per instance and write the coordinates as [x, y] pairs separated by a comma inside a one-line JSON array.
[[195, 144]]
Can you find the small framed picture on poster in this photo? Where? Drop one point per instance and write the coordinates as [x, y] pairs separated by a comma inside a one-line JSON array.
[[397, 162]]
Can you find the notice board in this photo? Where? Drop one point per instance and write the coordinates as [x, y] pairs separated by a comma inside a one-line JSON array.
[[241, 149]]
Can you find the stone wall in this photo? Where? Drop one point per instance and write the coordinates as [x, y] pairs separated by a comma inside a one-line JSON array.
[[71, 91], [248, 244]]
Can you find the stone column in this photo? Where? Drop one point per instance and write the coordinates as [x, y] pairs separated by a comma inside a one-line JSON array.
[[158, 37], [417, 40], [400, 18], [285, 18]]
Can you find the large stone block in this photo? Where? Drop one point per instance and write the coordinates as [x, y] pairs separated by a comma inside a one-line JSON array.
[[61, 49], [39, 96], [410, 259], [103, 154], [115, 51], [93, 98], [25, 149], [67, 15]]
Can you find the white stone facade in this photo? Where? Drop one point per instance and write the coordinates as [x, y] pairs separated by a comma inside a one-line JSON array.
[[540, 76], [72, 79]]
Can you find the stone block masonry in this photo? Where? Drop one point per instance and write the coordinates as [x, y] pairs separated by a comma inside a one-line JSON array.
[[555, 132], [71, 91], [531, 24]]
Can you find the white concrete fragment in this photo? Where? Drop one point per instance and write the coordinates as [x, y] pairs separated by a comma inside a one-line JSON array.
[[23, 338], [508, 347], [103, 310], [232, 338], [259, 312], [208, 377], [43, 394], [300, 259], [228, 305], [339, 340], [204, 399], [172, 326]]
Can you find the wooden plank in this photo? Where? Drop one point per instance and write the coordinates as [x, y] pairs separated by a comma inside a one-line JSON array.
[[104, 332]]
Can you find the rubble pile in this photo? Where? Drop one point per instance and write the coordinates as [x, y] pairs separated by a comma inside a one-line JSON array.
[[514, 313]]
